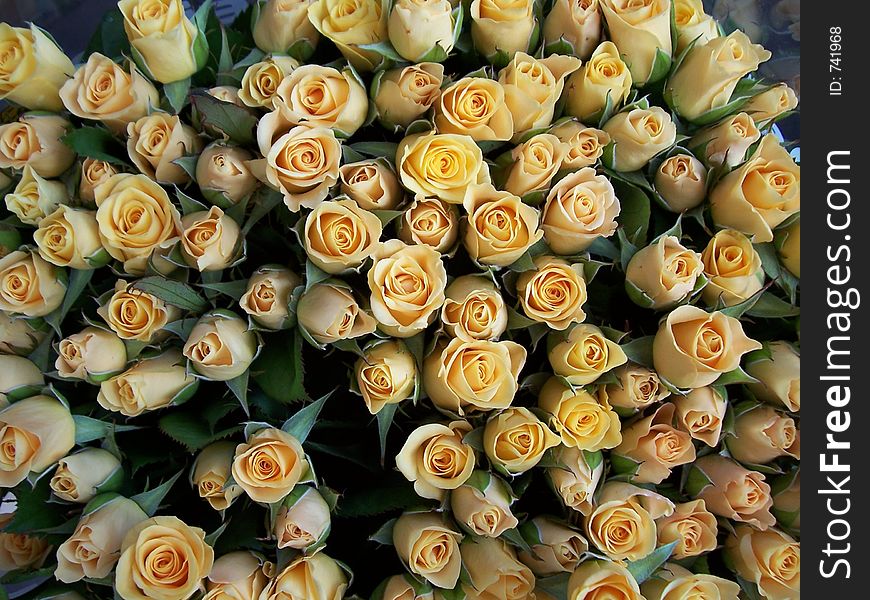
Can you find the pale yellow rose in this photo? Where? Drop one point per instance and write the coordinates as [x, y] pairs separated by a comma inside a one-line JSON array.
[[474, 309], [211, 475], [95, 545], [416, 27], [760, 194], [267, 296], [585, 144], [692, 526], [261, 81], [535, 162], [733, 269], [555, 548], [581, 420], [642, 32], [762, 434], [239, 575], [21, 550], [502, 26], [93, 354], [372, 184], [476, 107], [227, 93], [639, 134], [339, 235], [499, 228], [281, 24], [771, 104], [515, 440], [33, 68], [726, 142], [148, 385], [210, 240], [303, 519], [429, 547], [94, 172], [584, 355], [663, 274], [533, 86], [553, 292], [693, 348], [34, 198], [220, 346], [162, 557], [577, 22], [35, 140], [769, 559], [681, 181], [223, 169], [81, 476], [156, 140], [709, 73], [693, 24], [655, 445], [701, 413], [314, 577], [404, 94], [789, 248], [636, 387], [779, 379], [673, 582], [29, 285], [329, 313], [575, 479], [385, 374], [596, 579], [18, 377], [101, 90], [482, 508], [734, 492], [34, 434], [579, 209], [136, 315], [440, 165], [604, 79], [403, 587], [350, 24], [70, 237], [494, 571], [431, 222], [269, 464], [435, 458], [19, 335]]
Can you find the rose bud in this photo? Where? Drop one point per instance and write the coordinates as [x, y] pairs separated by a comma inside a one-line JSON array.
[[149, 384], [220, 347], [211, 475], [303, 520], [726, 142], [579, 209], [673, 582], [623, 525], [404, 94], [20, 550], [770, 559], [474, 309], [584, 355], [323, 97], [786, 491], [282, 25], [29, 285], [210, 240], [93, 354], [267, 296], [19, 378], [362, 23], [102, 91], [372, 184], [553, 292], [269, 464], [578, 23], [35, 140], [708, 74], [155, 141], [579, 418], [500, 227], [789, 248], [474, 106], [431, 222], [600, 579], [494, 571], [162, 553], [34, 68], [435, 458], [733, 492], [81, 476], [70, 237], [585, 144], [223, 170], [701, 413], [761, 435], [504, 26], [472, 376], [36, 433], [18, 335], [429, 548], [533, 86], [416, 27], [655, 446], [482, 506], [779, 376], [576, 479], [339, 235], [681, 181], [604, 75], [642, 33], [515, 440], [94, 172], [555, 548], [403, 587], [693, 24], [329, 313], [663, 274], [535, 163], [227, 93], [440, 165], [733, 269], [639, 135], [315, 577], [636, 388], [93, 548], [385, 374], [34, 198], [136, 315], [692, 347], [261, 80], [239, 575], [692, 526], [771, 104]]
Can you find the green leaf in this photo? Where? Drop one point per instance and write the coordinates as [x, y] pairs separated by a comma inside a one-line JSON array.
[[376, 149], [736, 376], [191, 431], [189, 205], [279, 370], [174, 292], [96, 143], [634, 216], [378, 498], [150, 501], [384, 534], [385, 420], [239, 387], [33, 511], [554, 585], [769, 306], [301, 424], [661, 67], [264, 200], [234, 121], [78, 281], [89, 429], [233, 289], [640, 350], [110, 39], [384, 49], [642, 569], [177, 94]]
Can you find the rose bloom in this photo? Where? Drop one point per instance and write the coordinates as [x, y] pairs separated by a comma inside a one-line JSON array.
[[164, 38], [726, 142], [324, 97], [223, 170], [18, 376], [404, 94], [431, 222], [693, 24], [770, 559], [663, 274], [33, 68], [579, 209], [35, 140], [483, 510], [385, 374], [585, 144], [692, 526], [502, 26], [636, 388], [733, 269], [588, 88], [771, 104], [536, 162], [339, 235], [239, 575], [762, 435], [372, 184], [701, 413], [655, 446], [227, 93], [639, 135], [210, 240], [329, 312], [404, 587], [673, 582], [474, 106], [94, 172], [681, 181], [533, 86], [211, 475], [558, 548], [474, 309], [428, 547], [29, 285], [314, 577], [584, 354], [303, 520], [20, 550], [79, 477], [34, 197], [261, 80], [553, 292], [494, 571], [515, 440], [282, 24], [267, 296], [602, 579], [435, 458], [269, 464], [779, 379], [416, 27], [34, 434], [220, 347], [352, 24], [734, 492], [70, 237], [136, 315], [149, 384], [641, 31], [19, 336], [575, 479], [500, 227], [155, 141], [578, 23], [581, 420], [440, 165]]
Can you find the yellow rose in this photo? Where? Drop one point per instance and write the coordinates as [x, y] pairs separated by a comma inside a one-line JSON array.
[[760, 194], [584, 355], [136, 315], [211, 475], [210, 240], [350, 24], [642, 32], [471, 376], [339, 235], [267, 296], [386, 374], [261, 80], [535, 162], [474, 106], [515, 440], [474, 309], [693, 347], [19, 335], [95, 545], [220, 346], [673, 582], [709, 73], [303, 519], [100, 90], [163, 39], [155, 141], [431, 222], [223, 169], [404, 94], [553, 292], [372, 184], [789, 248], [29, 285], [639, 135], [329, 312], [94, 172], [701, 413], [499, 228], [33, 68], [20, 550], [403, 587], [734, 492], [533, 86], [440, 165], [604, 75], [575, 479], [733, 269], [663, 274], [494, 571], [770, 104], [762, 434], [602, 579], [585, 144], [576, 22], [779, 379], [769, 559], [693, 24], [162, 557], [502, 26], [483, 507], [655, 446], [429, 548], [135, 217], [148, 385], [70, 237], [18, 377], [435, 458], [81, 476], [636, 387], [681, 181], [35, 140], [581, 420], [34, 434], [239, 575], [281, 25], [579, 209], [93, 354], [692, 526], [269, 464], [227, 93], [726, 142], [556, 548], [416, 27], [34, 198], [315, 577]]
